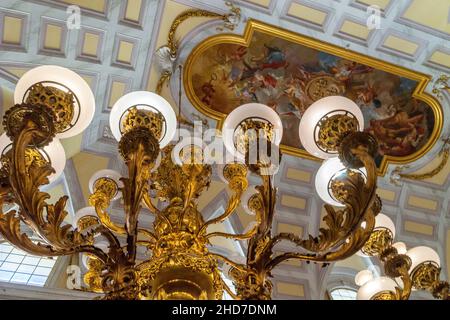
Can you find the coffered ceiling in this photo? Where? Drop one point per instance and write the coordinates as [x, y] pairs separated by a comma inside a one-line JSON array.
[[113, 51]]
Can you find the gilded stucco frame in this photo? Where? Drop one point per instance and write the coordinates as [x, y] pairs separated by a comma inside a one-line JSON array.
[[253, 25]]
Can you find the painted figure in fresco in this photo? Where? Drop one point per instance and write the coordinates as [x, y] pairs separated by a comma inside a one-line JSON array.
[[274, 58], [208, 90], [344, 72], [368, 95], [398, 135], [295, 91]]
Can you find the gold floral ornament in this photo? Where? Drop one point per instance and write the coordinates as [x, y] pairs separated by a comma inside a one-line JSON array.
[[22, 115], [32, 158], [323, 86], [441, 85], [153, 121], [255, 137], [250, 132], [62, 103], [332, 128], [105, 189], [397, 174]]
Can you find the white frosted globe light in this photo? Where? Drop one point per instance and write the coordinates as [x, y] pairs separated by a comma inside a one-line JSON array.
[[375, 286], [317, 111], [144, 100], [65, 80], [107, 173], [53, 152], [363, 277], [83, 212], [401, 247], [422, 254], [329, 170], [383, 221], [256, 111]]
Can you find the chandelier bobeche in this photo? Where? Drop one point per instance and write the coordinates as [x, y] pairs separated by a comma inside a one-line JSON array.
[[54, 103]]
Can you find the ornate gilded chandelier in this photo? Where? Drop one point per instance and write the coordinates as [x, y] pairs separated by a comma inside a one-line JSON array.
[[54, 103]]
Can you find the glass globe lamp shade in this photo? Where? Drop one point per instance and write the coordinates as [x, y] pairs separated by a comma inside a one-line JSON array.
[[144, 100], [110, 174], [330, 169], [333, 105], [83, 212], [401, 247], [363, 277], [54, 153], [256, 111], [67, 81], [422, 254], [371, 288], [383, 221]]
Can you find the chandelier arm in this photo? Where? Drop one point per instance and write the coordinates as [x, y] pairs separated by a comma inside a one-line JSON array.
[[228, 261], [343, 223], [228, 290], [236, 176], [345, 250], [134, 189], [247, 235], [344, 235], [244, 236], [264, 207], [233, 203], [150, 235], [405, 293], [269, 194], [105, 220], [396, 265], [11, 231], [356, 241], [147, 244], [24, 181], [148, 203]]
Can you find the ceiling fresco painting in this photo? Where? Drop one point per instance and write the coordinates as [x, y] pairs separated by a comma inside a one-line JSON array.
[[289, 76]]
